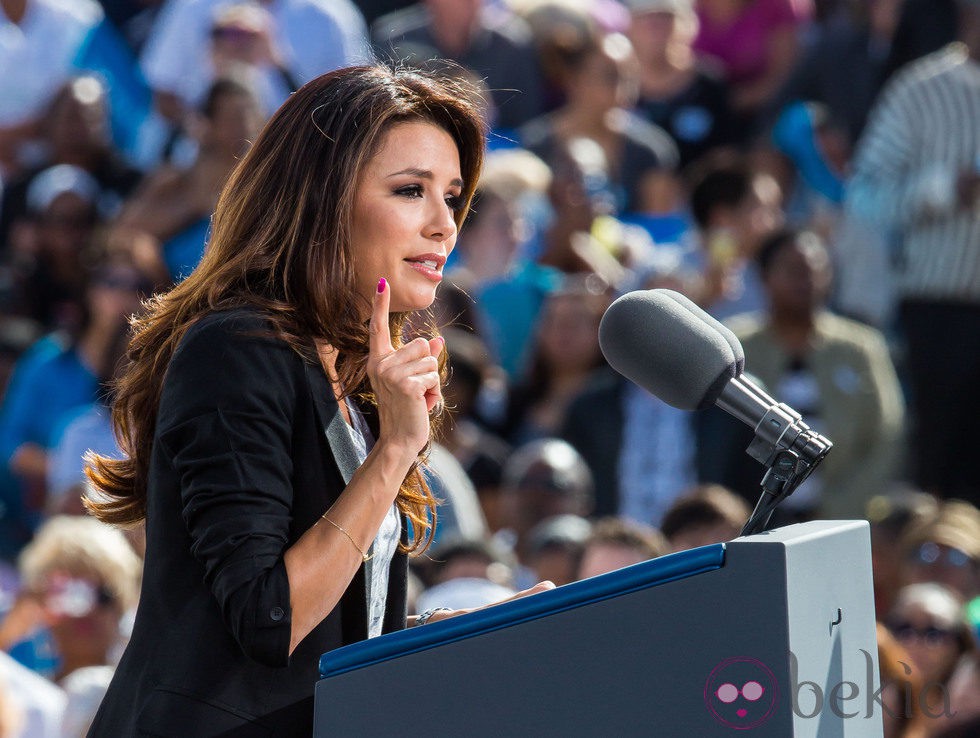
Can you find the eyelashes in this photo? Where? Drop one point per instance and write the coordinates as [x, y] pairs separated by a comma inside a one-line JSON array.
[[415, 191], [411, 191]]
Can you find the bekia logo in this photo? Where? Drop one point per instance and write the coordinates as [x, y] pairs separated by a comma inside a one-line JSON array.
[[741, 693]]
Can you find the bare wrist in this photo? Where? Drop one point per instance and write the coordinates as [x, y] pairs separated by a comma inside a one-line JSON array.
[[395, 457]]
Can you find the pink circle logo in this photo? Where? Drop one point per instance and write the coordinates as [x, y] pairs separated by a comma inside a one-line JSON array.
[[741, 693]]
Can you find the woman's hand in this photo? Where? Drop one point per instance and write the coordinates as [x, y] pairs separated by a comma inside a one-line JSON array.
[[445, 614], [405, 381]]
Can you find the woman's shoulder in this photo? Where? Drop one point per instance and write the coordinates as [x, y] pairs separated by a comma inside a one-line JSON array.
[[221, 332], [231, 356], [231, 319]]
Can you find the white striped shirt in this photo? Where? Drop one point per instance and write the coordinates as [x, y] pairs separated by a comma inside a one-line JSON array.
[[923, 133]]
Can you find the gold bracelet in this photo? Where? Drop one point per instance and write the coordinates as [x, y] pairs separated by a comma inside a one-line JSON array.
[[364, 556]]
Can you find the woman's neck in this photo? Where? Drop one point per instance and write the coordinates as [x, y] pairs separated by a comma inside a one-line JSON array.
[[568, 382], [794, 332], [581, 121]]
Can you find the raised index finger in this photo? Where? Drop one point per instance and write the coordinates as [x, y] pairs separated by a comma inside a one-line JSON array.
[[380, 333]]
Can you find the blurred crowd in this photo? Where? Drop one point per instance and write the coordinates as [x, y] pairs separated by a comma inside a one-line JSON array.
[[807, 171]]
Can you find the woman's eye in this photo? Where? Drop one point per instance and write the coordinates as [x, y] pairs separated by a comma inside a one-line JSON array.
[[409, 191], [455, 202]]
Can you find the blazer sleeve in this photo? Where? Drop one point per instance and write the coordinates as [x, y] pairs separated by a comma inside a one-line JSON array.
[[225, 425]]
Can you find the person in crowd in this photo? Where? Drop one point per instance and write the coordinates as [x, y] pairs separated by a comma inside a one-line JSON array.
[[564, 359], [466, 573], [555, 548], [641, 448], [891, 515], [61, 373], [679, 91], [945, 548], [165, 224], [84, 690], [460, 513], [52, 251], [602, 83], [582, 234], [481, 452], [85, 577], [285, 43], [836, 372], [30, 705], [924, 26], [927, 619], [467, 558], [709, 513], [283, 390], [40, 40], [118, 288], [75, 131], [615, 543], [133, 18], [558, 27], [506, 285], [17, 335], [916, 176], [489, 40], [512, 184], [542, 479], [734, 207], [758, 43], [843, 67]]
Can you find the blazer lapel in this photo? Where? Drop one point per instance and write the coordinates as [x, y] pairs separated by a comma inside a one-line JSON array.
[[332, 422]]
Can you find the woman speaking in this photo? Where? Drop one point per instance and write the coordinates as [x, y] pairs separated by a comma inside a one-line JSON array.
[[276, 409]]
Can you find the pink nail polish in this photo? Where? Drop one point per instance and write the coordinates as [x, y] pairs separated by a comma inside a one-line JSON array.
[[382, 283]]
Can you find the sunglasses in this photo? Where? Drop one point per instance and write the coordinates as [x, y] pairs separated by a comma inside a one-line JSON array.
[[232, 33], [933, 554], [930, 635], [76, 597]]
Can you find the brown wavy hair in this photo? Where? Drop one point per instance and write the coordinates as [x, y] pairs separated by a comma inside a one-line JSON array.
[[281, 243]]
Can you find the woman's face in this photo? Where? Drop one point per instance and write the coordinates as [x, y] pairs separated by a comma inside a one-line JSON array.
[[403, 226], [798, 279], [114, 294], [237, 120], [604, 82], [83, 617], [651, 33], [569, 333], [929, 637]]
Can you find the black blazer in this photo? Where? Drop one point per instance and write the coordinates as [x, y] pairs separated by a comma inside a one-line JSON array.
[[249, 450]]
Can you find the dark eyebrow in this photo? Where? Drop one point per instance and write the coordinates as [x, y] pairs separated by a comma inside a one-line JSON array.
[[424, 174]]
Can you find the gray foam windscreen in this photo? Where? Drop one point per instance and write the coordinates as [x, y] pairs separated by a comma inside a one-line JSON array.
[[725, 332], [656, 342]]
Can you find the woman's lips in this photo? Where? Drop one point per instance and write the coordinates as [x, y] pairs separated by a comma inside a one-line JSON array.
[[431, 268]]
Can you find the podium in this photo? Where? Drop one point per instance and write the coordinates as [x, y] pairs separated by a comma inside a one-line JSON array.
[[772, 634]]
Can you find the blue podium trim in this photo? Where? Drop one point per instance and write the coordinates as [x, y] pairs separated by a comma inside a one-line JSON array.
[[596, 589]]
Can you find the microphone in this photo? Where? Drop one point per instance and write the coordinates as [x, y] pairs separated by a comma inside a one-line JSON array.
[[666, 344]]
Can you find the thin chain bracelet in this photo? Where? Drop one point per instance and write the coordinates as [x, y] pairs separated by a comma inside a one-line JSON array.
[[364, 556]]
